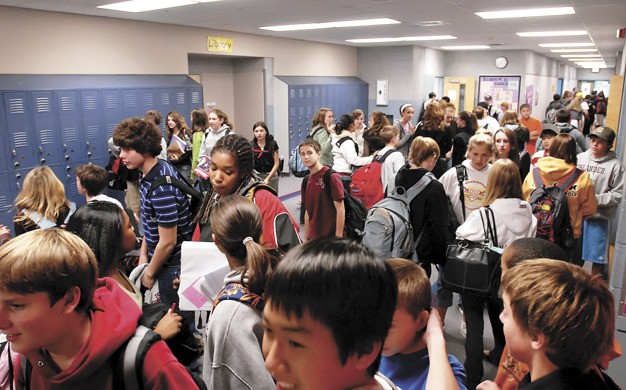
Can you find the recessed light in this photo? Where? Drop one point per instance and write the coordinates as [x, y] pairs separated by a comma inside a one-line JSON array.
[[468, 47], [552, 33], [580, 55], [579, 44], [576, 59], [339, 24], [402, 39], [527, 13], [573, 50], [145, 5]]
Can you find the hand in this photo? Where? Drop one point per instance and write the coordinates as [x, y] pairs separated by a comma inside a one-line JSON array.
[[266, 181], [434, 327], [487, 385], [176, 283], [173, 157], [5, 233], [449, 155], [375, 153], [147, 281], [169, 326]]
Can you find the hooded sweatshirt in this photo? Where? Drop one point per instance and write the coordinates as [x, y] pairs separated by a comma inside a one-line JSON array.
[[581, 199], [346, 156], [113, 322], [210, 138], [474, 188], [514, 219], [233, 358], [607, 175], [323, 137]]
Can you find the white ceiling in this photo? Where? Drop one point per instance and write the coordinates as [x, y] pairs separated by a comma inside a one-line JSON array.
[[601, 18]]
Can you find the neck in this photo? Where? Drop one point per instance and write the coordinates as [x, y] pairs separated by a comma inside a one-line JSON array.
[[315, 168], [232, 262], [541, 366], [148, 164], [260, 142], [75, 336], [175, 131]]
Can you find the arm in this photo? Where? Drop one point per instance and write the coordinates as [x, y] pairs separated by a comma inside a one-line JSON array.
[[202, 151], [162, 252], [613, 196], [274, 168], [472, 229], [352, 158], [340, 208], [143, 253], [440, 375], [307, 226]]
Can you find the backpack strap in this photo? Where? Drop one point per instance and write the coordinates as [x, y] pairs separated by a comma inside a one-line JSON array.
[[182, 185], [344, 139], [239, 292], [571, 179], [537, 178], [381, 159], [461, 176], [253, 186], [491, 234], [130, 358], [317, 130]]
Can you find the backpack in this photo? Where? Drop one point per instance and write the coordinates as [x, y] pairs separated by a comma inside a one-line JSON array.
[[296, 166], [549, 206], [366, 184], [194, 197], [551, 115], [388, 231], [355, 210], [601, 108]]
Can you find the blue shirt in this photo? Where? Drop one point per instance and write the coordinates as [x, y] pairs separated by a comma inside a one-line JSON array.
[[409, 372], [167, 207]]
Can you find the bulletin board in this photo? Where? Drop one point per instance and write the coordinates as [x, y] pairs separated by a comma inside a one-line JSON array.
[[501, 89]]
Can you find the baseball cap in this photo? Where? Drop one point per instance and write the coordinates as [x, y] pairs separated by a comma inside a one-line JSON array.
[[546, 127], [487, 97], [483, 105], [604, 133]]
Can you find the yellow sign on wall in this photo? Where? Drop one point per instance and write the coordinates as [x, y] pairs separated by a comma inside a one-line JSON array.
[[224, 45]]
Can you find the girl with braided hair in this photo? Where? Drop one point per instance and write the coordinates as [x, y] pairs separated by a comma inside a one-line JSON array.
[[230, 172]]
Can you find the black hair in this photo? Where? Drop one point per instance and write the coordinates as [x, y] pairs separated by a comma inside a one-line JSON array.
[[556, 97], [432, 95], [99, 224], [138, 134], [341, 284], [268, 137], [344, 123], [533, 248], [522, 135], [562, 115]]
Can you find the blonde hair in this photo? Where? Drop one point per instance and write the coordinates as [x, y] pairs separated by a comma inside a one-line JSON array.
[[423, 148], [503, 181], [43, 193], [414, 293], [510, 118], [480, 139]]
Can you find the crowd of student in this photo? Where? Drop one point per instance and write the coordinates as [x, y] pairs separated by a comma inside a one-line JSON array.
[[327, 313]]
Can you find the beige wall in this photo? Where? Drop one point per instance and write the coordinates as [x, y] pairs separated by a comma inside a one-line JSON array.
[[39, 42]]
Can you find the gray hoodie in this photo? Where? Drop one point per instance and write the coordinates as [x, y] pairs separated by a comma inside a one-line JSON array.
[[607, 175]]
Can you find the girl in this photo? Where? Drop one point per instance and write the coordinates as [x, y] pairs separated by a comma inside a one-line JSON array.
[[522, 135], [199, 123], [179, 148], [513, 219], [235, 326], [359, 128], [323, 126], [42, 202], [510, 120], [428, 211], [377, 121], [230, 172], [467, 124], [407, 111], [506, 145], [433, 127], [266, 157], [345, 150], [219, 126], [576, 112]]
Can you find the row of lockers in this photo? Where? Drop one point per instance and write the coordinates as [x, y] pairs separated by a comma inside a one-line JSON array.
[[64, 128]]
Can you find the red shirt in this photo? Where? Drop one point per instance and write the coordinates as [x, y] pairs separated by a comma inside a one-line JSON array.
[[319, 206]]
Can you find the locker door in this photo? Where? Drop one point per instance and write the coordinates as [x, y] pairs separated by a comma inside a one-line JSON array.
[[132, 104], [294, 136], [93, 134], [46, 128], [7, 195], [180, 102], [66, 175], [4, 149], [112, 111], [164, 104], [71, 138], [196, 100], [21, 140]]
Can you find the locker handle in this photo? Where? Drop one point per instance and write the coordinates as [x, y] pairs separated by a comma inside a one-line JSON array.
[[16, 164], [40, 150], [64, 147], [67, 157], [68, 168], [14, 153], [43, 160], [89, 154], [18, 176]]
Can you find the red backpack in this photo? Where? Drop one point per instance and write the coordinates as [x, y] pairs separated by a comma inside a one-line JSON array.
[[366, 183]]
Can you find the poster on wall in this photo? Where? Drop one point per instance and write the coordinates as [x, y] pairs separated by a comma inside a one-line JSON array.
[[529, 95], [501, 89]]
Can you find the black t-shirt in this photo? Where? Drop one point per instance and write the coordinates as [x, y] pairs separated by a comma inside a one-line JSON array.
[[264, 157]]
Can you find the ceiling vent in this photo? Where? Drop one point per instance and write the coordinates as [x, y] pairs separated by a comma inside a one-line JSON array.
[[496, 44], [431, 23]]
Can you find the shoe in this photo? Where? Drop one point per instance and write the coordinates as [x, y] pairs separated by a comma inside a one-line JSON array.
[[488, 359], [464, 329]]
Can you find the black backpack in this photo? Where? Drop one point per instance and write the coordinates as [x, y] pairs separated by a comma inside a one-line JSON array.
[[549, 205], [195, 197]]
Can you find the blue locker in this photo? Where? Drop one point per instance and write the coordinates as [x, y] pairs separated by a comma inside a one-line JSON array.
[[72, 142], [93, 133], [21, 140], [5, 157], [112, 110], [6, 200], [65, 173], [132, 103], [45, 128], [196, 99], [180, 102], [164, 103]]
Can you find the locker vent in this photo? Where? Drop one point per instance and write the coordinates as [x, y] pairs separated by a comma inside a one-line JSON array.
[[165, 99], [67, 103], [180, 98], [16, 105], [43, 104], [90, 103], [92, 132], [110, 102], [110, 129], [70, 134], [20, 139], [45, 136], [195, 97], [130, 101], [149, 100], [4, 202]]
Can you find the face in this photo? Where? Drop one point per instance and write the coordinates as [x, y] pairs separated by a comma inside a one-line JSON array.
[[131, 158], [448, 116], [329, 119], [504, 107], [260, 133], [79, 187], [408, 113], [371, 121], [170, 122], [358, 122], [519, 343], [598, 147], [224, 173], [214, 122], [309, 156], [460, 122], [300, 353], [525, 112], [30, 323], [402, 336], [479, 157], [503, 146], [128, 233], [546, 139]]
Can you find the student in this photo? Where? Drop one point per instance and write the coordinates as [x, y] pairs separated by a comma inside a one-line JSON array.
[[155, 117], [324, 212], [467, 125], [321, 131], [91, 180], [433, 127], [506, 145], [219, 126], [548, 132], [513, 219], [581, 199], [532, 124], [562, 118], [485, 121], [345, 150], [394, 159], [549, 307], [179, 143], [607, 174], [199, 123], [521, 136], [165, 214], [329, 306], [414, 353], [266, 159], [405, 127], [41, 203], [70, 327], [232, 355], [359, 129], [377, 121]]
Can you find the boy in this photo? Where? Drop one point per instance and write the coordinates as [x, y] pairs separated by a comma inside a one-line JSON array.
[[165, 214], [325, 214], [329, 306], [66, 322], [607, 175], [562, 122], [91, 180], [414, 354], [391, 161], [548, 132], [549, 307], [532, 124]]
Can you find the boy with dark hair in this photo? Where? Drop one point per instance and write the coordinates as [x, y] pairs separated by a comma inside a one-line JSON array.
[[67, 323], [91, 180], [329, 306], [562, 122], [550, 306], [165, 214], [414, 354], [548, 132], [325, 211]]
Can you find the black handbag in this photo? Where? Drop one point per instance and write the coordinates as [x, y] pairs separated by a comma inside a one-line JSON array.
[[474, 267]]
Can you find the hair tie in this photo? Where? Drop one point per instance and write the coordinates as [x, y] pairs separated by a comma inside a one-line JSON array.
[[245, 240]]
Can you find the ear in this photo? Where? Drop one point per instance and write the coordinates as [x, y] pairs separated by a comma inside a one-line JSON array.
[[422, 320], [70, 300], [362, 362], [539, 342]]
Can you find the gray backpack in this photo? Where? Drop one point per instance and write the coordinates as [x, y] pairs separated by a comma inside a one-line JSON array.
[[388, 231]]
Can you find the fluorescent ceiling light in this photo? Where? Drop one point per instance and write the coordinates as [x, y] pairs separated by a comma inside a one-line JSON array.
[[576, 59], [526, 13], [468, 47], [552, 33], [592, 64], [579, 44], [145, 5], [580, 55], [345, 23], [402, 39], [573, 50]]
